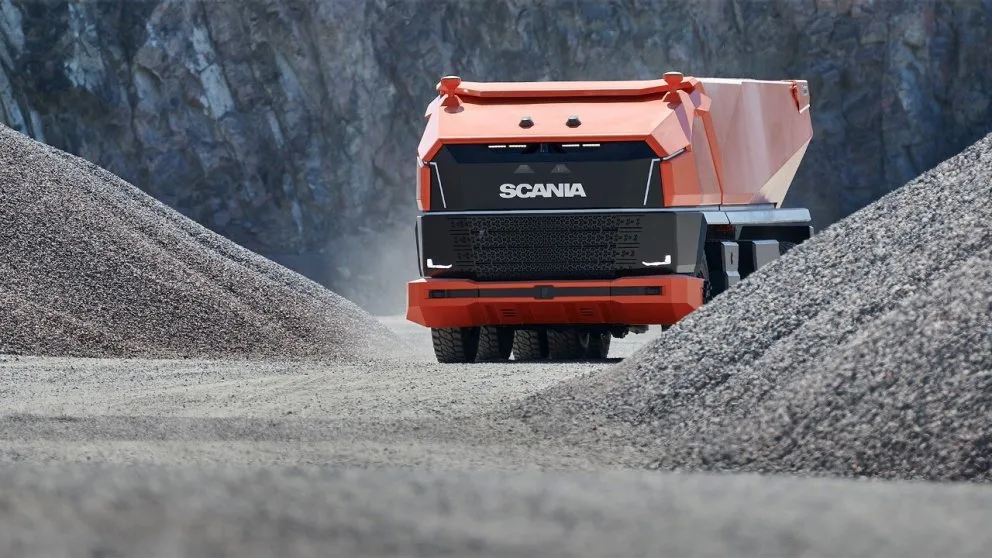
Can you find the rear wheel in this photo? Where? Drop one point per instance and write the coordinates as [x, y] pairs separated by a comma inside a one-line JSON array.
[[596, 345], [495, 343], [455, 344], [530, 344], [565, 344], [703, 272]]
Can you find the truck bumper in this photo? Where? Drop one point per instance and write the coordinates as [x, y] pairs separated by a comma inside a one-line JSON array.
[[649, 300]]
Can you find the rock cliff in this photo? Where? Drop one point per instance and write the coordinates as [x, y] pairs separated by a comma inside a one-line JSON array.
[[291, 126]]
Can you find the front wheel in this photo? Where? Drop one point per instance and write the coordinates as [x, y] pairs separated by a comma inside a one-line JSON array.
[[495, 344], [455, 344]]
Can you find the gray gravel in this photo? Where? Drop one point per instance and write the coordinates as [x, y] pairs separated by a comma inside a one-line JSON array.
[[56, 511], [92, 266], [866, 351], [410, 413], [111, 457], [416, 414], [188, 457]]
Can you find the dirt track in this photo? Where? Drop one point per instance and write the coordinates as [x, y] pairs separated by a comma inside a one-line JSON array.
[[399, 413]]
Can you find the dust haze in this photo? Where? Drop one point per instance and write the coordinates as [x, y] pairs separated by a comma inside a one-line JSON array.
[[372, 268], [369, 267]]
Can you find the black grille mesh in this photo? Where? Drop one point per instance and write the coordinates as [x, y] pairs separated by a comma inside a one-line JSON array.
[[537, 247]]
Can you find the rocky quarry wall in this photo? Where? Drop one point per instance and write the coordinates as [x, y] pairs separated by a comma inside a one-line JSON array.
[[291, 126]]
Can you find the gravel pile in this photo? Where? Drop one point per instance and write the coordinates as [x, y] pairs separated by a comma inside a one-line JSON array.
[[92, 266], [866, 351]]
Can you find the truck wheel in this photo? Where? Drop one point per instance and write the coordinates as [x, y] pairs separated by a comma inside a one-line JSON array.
[[495, 343], [455, 344], [704, 273], [565, 345], [529, 344], [596, 345]]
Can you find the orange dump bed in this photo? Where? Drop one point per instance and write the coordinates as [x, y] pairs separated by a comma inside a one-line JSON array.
[[720, 141]]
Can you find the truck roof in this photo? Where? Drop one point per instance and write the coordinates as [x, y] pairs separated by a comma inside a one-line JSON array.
[[561, 89], [745, 137], [480, 112]]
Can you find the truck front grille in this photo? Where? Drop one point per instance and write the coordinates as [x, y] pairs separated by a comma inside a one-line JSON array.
[[540, 247]]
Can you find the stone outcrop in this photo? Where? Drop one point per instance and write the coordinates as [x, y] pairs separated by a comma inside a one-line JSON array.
[[291, 126]]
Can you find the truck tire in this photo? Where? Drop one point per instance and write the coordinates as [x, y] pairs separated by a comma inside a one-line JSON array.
[[529, 344], [596, 345], [495, 343], [455, 344], [565, 345], [703, 272]]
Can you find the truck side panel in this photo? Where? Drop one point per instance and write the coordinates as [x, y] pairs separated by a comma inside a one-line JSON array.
[[763, 129]]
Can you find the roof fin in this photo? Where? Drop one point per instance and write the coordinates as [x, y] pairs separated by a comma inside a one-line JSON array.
[[447, 87]]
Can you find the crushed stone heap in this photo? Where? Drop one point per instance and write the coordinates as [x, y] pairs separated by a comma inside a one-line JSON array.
[[91, 266], [866, 351]]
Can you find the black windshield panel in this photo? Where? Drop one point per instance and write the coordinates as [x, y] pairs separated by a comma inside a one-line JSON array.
[[550, 152]]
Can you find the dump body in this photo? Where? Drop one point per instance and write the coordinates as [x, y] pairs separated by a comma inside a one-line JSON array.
[[611, 204]]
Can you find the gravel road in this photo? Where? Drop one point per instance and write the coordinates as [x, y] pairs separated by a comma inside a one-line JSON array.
[[217, 458], [409, 412]]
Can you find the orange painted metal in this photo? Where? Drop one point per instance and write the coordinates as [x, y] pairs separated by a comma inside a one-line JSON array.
[[566, 89], [489, 121], [762, 131], [680, 295], [722, 141]]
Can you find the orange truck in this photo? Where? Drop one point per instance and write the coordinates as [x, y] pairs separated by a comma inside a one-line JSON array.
[[555, 216]]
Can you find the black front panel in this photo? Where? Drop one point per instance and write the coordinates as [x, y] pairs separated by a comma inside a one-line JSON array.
[[543, 246], [545, 176]]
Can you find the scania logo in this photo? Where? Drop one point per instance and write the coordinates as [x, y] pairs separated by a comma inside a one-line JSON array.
[[559, 190]]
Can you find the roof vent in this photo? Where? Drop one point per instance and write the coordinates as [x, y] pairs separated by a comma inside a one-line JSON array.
[[526, 122], [573, 121], [448, 85], [673, 78]]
